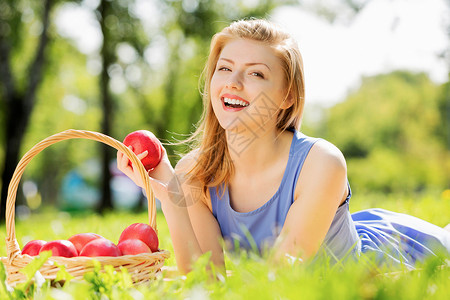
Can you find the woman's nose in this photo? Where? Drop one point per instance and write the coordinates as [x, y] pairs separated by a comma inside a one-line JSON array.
[[234, 81]]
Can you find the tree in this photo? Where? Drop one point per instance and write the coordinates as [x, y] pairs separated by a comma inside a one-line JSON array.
[[19, 85], [390, 131], [117, 26], [18, 96]]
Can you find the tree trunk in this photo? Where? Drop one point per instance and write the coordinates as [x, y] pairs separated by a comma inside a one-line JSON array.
[[16, 123], [19, 105], [107, 60]]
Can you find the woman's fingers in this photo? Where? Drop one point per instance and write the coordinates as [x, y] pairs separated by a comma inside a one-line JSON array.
[[142, 155], [123, 164], [121, 161]]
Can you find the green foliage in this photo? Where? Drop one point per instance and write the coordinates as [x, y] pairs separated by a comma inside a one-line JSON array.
[[4, 291], [388, 131], [62, 275], [108, 282], [249, 276], [34, 283], [67, 100]]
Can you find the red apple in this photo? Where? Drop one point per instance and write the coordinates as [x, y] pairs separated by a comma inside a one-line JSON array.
[[81, 239], [60, 248], [143, 232], [142, 140], [133, 246], [100, 247], [32, 247]]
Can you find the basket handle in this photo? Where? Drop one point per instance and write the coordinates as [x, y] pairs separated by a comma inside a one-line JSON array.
[[12, 247]]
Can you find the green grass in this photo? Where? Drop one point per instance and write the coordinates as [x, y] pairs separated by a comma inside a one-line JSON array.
[[250, 277], [432, 206]]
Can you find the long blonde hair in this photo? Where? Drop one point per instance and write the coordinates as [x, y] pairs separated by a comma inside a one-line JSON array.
[[213, 164]]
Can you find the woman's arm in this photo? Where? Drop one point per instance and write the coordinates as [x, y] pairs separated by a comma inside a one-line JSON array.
[[193, 228], [204, 224], [321, 187]]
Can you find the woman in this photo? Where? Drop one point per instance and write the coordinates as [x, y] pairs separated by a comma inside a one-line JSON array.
[[254, 180]]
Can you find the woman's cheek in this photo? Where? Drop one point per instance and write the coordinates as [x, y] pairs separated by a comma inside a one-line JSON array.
[[214, 88]]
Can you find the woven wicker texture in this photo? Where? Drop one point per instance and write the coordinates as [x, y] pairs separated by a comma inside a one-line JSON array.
[[142, 267]]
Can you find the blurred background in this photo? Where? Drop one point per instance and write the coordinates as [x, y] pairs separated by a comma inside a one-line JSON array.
[[377, 86]]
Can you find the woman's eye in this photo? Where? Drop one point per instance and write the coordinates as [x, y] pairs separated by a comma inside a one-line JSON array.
[[224, 69], [258, 74]]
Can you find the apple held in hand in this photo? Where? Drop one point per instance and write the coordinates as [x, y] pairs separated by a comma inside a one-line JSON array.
[[60, 248], [32, 247], [81, 239], [100, 247], [143, 232], [142, 140], [133, 247]]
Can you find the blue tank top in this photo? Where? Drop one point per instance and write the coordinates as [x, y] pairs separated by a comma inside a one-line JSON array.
[[259, 228]]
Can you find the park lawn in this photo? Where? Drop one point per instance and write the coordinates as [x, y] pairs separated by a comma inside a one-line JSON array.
[[249, 276]]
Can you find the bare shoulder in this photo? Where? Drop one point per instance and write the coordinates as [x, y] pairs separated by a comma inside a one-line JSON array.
[[327, 155], [325, 163], [324, 170]]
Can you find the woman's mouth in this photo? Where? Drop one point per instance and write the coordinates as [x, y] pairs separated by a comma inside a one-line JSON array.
[[233, 104]]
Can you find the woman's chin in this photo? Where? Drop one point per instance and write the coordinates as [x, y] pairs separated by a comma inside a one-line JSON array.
[[233, 125]]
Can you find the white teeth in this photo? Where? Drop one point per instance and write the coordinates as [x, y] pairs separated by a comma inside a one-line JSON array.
[[235, 101]]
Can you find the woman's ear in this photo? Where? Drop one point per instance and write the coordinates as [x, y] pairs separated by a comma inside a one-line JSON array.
[[288, 101]]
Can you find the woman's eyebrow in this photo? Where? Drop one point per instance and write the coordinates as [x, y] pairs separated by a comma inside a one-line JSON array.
[[247, 64]]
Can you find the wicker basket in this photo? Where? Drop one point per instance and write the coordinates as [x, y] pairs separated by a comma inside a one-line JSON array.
[[141, 267]]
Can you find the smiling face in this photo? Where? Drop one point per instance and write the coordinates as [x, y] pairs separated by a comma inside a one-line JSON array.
[[248, 85]]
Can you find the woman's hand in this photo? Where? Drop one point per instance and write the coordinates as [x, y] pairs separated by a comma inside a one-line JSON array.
[[124, 166], [160, 176]]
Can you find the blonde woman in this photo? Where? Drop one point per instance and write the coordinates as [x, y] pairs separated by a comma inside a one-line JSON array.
[[254, 180]]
